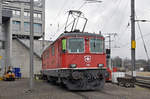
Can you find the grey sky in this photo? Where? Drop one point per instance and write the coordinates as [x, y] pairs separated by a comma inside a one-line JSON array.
[[108, 16]]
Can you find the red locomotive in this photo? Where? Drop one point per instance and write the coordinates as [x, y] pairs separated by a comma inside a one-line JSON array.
[[76, 60]]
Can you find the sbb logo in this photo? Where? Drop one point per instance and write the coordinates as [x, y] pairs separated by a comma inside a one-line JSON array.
[[87, 59]]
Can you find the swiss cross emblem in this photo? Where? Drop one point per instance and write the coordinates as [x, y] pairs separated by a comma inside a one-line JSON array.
[[87, 59]]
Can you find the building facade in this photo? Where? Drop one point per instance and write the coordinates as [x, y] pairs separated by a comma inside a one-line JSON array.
[[5, 36], [15, 33], [21, 56], [20, 20]]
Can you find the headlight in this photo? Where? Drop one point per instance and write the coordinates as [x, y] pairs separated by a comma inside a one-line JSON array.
[[100, 65], [73, 65]]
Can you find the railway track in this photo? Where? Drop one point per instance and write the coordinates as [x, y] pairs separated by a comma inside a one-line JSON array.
[[140, 81], [83, 96], [104, 93], [143, 81]]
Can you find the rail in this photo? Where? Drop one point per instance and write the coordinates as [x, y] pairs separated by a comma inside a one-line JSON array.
[[143, 81]]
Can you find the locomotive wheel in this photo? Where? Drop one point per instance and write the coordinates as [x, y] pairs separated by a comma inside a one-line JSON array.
[[84, 85], [51, 79], [121, 84], [75, 85], [44, 77], [127, 85], [132, 85]]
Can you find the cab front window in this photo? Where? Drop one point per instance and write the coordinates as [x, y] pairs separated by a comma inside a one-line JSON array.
[[76, 45], [96, 45]]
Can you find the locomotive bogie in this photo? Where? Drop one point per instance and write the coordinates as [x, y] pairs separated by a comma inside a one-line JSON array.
[[78, 79]]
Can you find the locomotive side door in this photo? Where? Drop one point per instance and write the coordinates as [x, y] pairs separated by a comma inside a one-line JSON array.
[[59, 56]]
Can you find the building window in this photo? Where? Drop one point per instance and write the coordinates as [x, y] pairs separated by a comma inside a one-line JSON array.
[[2, 45], [26, 26], [37, 28], [37, 16], [16, 26], [40, 16], [16, 13], [26, 14]]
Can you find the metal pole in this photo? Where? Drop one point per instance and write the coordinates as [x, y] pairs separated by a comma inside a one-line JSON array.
[[1, 38], [0, 15], [133, 43], [109, 36], [31, 44], [110, 51], [43, 14], [0, 18]]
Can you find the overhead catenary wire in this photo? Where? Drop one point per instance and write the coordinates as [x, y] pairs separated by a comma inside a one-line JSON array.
[[126, 28], [82, 5], [65, 22], [105, 9], [138, 24], [138, 38], [92, 1], [59, 12], [125, 9], [57, 16], [116, 9], [121, 23], [117, 4]]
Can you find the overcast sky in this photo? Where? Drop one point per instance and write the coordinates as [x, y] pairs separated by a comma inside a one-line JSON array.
[[110, 16]]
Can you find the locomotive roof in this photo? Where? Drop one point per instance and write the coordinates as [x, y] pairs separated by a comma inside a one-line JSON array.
[[79, 34]]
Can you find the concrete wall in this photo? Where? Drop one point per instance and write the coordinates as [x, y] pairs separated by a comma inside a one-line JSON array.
[[20, 58], [2, 61], [1, 35], [5, 38], [8, 42], [1, 51]]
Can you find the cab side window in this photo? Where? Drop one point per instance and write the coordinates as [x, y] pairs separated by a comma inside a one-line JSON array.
[[53, 50]]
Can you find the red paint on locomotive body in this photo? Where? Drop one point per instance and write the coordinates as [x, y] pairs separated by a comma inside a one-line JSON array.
[[77, 60], [54, 58], [51, 57], [80, 60]]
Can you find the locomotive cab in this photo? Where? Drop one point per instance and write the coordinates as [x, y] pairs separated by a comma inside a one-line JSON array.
[[83, 52]]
